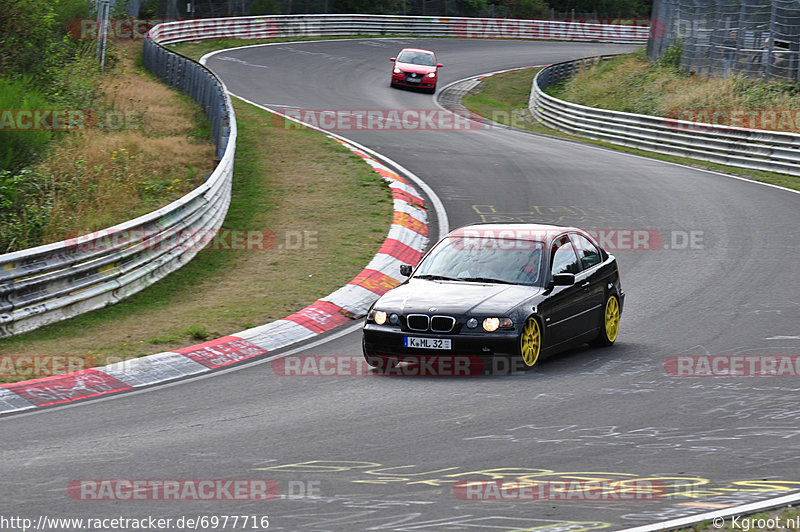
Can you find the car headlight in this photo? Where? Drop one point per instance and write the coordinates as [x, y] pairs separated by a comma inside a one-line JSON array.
[[492, 324], [397, 71], [432, 75], [379, 316]]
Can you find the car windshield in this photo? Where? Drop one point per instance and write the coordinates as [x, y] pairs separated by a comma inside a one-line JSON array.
[[484, 259], [416, 58]]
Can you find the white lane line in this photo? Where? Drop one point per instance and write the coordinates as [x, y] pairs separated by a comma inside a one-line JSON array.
[[718, 515], [441, 213], [615, 148]]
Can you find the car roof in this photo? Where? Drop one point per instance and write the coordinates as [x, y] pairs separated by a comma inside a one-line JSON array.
[[523, 231], [416, 50]]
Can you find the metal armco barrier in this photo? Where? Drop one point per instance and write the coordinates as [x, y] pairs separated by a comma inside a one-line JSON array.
[[267, 27], [57, 281], [746, 148]]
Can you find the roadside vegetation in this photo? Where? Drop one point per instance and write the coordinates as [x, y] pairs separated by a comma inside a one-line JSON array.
[[135, 146], [632, 84], [324, 211], [504, 99]]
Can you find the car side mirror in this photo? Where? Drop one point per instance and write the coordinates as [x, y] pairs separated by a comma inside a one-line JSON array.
[[393, 59], [405, 270], [564, 279], [439, 65]]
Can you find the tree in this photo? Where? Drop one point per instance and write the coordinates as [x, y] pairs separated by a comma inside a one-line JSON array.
[[606, 8], [377, 7], [266, 7], [527, 8], [470, 8]]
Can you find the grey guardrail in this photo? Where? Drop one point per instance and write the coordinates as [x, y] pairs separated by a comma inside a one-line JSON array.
[[57, 281], [746, 148], [267, 27]]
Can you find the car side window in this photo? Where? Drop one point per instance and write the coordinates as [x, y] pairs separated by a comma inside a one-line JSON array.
[[564, 258], [588, 254]]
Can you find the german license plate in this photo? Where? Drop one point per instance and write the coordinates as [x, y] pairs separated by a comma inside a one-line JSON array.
[[427, 343], [414, 80]]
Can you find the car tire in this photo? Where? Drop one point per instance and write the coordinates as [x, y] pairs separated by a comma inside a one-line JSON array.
[[530, 342], [609, 329]]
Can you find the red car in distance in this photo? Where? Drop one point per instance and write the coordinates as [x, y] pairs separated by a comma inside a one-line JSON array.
[[414, 67]]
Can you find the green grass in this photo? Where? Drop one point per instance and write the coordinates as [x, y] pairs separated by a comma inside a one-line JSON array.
[[502, 98], [632, 84], [287, 181], [19, 147]]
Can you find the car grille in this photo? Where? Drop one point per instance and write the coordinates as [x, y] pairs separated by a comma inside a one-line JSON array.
[[439, 324], [418, 322], [442, 323]]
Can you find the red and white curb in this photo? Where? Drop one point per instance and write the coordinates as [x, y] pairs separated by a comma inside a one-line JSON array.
[[405, 244]]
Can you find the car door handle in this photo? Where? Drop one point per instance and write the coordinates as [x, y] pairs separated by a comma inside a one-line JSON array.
[[584, 285]]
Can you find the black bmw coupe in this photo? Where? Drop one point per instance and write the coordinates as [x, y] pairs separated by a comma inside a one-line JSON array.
[[490, 290]]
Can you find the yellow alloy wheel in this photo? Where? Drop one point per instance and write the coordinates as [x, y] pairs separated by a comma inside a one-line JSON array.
[[612, 318], [530, 342]]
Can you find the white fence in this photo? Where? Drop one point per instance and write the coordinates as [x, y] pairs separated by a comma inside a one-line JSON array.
[[743, 147], [53, 282]]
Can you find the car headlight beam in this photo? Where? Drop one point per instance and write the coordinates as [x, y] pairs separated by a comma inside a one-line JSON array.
[[492, 324], [379, 316]]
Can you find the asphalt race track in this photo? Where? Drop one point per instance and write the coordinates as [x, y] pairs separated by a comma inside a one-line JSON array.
[[718, 277]]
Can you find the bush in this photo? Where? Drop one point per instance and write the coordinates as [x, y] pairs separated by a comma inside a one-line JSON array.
[[24, 209], [671, 58], [265, 7], [20, 147], [32, 34], [528, 9]]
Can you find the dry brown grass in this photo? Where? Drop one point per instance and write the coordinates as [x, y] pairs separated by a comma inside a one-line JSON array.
[[145, 153], [284, 180], [634, 85]]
